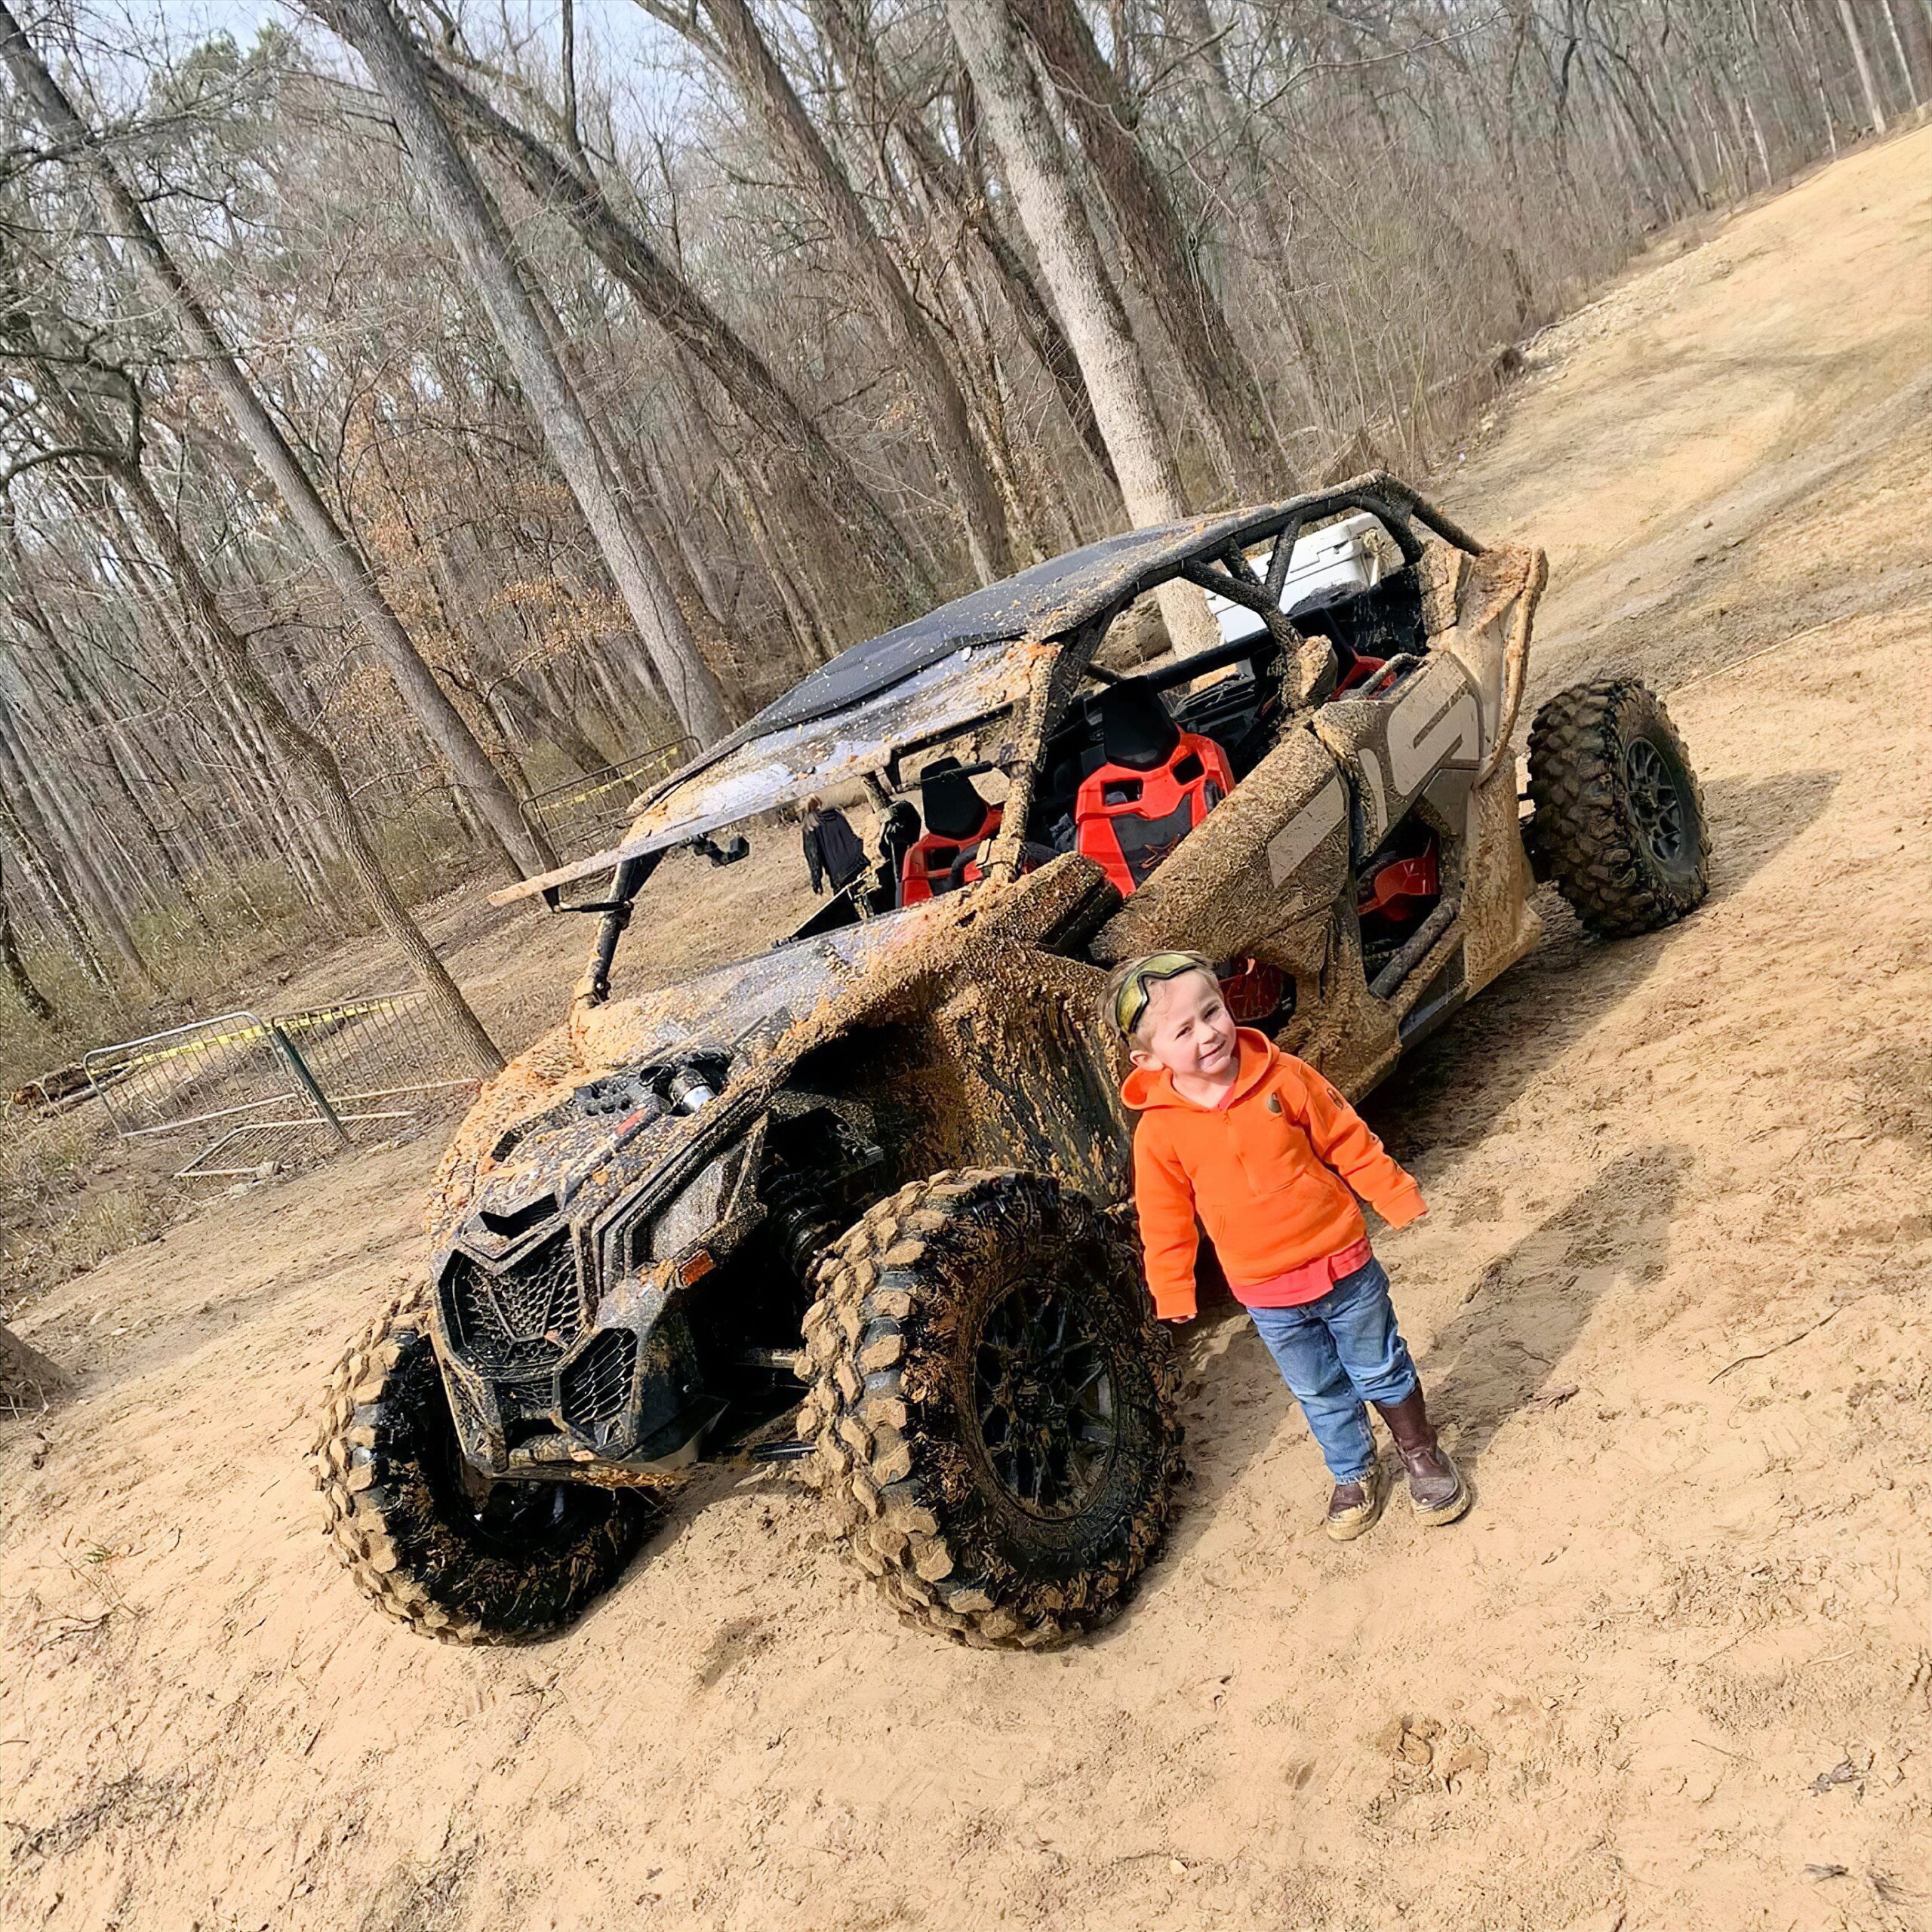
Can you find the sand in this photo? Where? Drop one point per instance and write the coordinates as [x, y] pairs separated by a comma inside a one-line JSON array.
[[1673, 1671]]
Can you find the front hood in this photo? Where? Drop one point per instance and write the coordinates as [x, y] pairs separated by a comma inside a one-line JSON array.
[[745, 1008], [584, 1114]]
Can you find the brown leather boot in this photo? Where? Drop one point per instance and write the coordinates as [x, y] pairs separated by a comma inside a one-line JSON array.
[[1437, 1491], [1355, 1505]]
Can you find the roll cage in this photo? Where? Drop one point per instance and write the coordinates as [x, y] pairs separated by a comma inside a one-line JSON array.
[[1051, 621]]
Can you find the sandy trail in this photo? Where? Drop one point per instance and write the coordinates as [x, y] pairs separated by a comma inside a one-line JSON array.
[[1674, 1671]]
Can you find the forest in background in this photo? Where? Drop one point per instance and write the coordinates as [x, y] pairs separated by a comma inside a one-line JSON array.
[[407, 411]]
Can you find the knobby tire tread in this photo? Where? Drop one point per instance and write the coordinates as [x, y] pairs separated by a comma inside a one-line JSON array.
[[1583, 825], [360, 1459], [877, 1304]]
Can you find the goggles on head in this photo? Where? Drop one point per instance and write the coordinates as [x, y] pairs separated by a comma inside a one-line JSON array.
[[1131, 996]]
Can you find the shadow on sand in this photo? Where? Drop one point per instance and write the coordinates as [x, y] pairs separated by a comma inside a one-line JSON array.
[[1443, 1096], [1524, 1312]]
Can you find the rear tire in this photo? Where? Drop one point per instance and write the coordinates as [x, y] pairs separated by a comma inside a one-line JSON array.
[[516, 1564], [994, 1407], [1619, 818]]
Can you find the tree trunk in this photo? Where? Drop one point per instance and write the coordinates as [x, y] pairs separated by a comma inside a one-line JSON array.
[[74, 688], [1917, 30], [316, 763], [518, 848], [475, 230], [26, 832], [1898, 51], [1154, 243], [88, 881], [1867, 84], [38, 1006], [1252, 208], [770, 94], [1037, 325], [677, 308], [1035, 166]]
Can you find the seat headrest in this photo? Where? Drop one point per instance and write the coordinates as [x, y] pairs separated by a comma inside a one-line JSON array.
[[952, 805], [1137, 729]]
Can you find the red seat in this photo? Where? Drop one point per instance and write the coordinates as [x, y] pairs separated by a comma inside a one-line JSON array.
[[1128, 818], [1403, 887], [931, 865]]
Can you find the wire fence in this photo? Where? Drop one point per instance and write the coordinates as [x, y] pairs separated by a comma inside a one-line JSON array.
[[580, 816], [259, 1092]]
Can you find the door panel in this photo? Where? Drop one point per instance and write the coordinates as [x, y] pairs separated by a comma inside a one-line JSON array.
[[1393, 746]]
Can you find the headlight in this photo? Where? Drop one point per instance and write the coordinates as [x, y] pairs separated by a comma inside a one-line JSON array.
[[693, 1214], [689, 1084]]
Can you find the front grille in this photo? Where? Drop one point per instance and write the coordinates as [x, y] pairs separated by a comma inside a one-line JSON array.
[[463, 1409], [518, 1321], [596, 1387]]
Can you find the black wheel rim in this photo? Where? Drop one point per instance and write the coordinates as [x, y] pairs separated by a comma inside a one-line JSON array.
[[1656, 803], [1044, 1396]]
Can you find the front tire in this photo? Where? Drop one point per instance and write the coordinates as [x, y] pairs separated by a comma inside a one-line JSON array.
[[505, 1564], [993, 1407], [1619, 818]]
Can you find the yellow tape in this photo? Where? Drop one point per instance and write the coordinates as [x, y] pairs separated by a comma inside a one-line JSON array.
[[187, 1046], [298, 1021], [316, 1018]]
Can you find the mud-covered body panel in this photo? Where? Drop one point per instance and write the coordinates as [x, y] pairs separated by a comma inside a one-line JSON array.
[[1392, 749], [575, 1182], [1276, 849]]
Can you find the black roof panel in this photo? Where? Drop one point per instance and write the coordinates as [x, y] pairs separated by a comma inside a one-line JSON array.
[[1046, 600]]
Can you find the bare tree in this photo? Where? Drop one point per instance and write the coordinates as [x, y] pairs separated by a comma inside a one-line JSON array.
[[728, 33], [331, 548], [1867, 86], [79, 419], [569, 189], [471, 221], [1223, 392], [946, 178], [1035, 166], [27, 833], [38, 1006]]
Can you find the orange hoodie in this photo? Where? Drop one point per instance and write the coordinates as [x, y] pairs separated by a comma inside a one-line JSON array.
[[1269, 1173]]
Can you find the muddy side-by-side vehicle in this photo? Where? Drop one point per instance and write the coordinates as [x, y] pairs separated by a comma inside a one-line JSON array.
[[872, 1178]]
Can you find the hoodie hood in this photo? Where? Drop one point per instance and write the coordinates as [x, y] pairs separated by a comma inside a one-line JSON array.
[[1147, 1087]]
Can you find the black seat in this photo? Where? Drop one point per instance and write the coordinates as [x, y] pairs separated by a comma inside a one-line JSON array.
[[1137, 729], [950, 800]]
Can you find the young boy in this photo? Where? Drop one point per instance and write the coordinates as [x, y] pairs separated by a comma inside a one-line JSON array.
[[1265, 1151]]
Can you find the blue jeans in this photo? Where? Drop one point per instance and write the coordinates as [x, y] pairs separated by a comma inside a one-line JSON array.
[[1336, 1354]]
